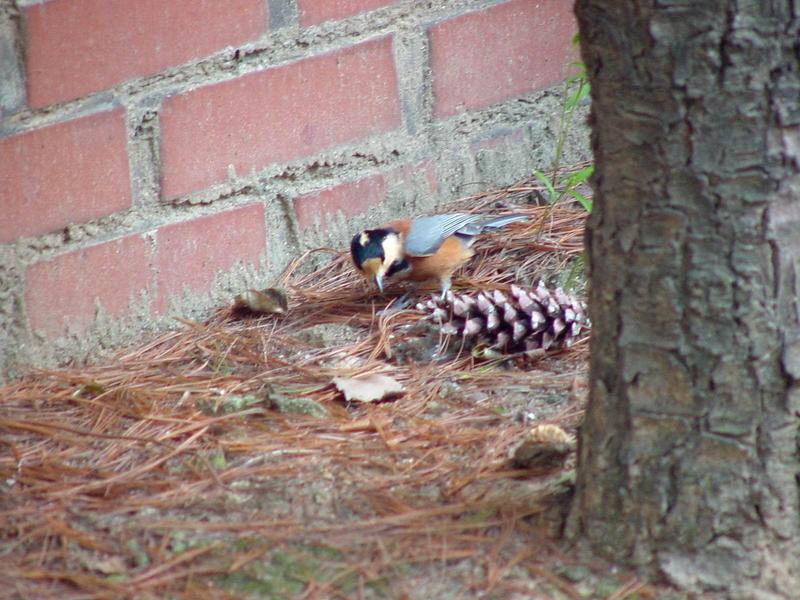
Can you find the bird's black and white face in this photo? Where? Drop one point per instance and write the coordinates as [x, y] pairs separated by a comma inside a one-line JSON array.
[[377, 253]]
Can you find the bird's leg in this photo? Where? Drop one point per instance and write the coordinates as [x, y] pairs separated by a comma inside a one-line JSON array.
[[445, 281], [403, 301]]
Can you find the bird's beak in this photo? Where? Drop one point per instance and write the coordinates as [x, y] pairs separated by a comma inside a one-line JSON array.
[[378, 279]]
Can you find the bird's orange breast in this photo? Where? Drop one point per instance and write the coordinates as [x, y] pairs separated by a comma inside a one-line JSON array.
[[451, 254], [440, 265]]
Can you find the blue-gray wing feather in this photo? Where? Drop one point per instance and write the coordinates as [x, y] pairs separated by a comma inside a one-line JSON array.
[[426, 234]]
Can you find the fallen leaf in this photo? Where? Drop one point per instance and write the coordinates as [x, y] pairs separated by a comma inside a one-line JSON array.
[[106, 566], [265, 302], [370, 388], [544, 446]]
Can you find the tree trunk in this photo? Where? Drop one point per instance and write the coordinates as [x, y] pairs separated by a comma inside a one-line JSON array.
[[688, 463]]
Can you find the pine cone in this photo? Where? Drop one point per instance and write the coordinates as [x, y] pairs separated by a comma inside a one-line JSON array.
[[528, 320]]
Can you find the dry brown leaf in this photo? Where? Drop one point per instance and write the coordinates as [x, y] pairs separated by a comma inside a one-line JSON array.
[[267, 301], [544, 446], [110, 565], [370, 388]]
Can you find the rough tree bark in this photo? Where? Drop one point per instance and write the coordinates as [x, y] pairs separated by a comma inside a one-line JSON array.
[[688, 464]]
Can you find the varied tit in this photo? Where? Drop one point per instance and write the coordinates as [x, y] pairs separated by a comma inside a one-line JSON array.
[[423, 248]]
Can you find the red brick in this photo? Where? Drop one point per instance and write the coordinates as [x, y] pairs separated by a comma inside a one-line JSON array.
[[66, 290], [504, 51], [66, 173], [191, 253], [351, 199], [426, 166], [317, 11], [75, 47], [277, 115]]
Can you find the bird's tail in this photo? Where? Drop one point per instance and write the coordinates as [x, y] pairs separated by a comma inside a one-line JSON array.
[[495, 222]]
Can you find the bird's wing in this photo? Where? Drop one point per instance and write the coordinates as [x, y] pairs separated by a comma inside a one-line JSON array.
[[426, 234]]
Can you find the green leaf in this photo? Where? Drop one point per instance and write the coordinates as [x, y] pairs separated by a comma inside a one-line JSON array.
[[579, 177], [545, 181], [583, 200], [579, 94]]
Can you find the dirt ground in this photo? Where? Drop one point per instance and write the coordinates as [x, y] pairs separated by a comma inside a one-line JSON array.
[[220, 461]]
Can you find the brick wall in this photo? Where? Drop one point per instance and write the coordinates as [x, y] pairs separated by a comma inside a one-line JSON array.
[[157, 156]]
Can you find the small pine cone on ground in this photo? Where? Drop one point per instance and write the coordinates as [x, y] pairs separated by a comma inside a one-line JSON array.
[[526, 320]]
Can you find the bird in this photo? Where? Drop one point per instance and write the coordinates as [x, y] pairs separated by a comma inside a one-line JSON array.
[[423, 248]]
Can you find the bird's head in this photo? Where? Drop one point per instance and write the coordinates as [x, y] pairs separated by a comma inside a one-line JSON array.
[[374, 251]]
